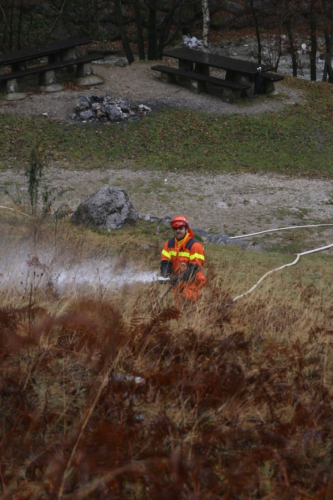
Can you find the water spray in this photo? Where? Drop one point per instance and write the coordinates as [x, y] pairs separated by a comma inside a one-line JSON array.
[[164, 280]]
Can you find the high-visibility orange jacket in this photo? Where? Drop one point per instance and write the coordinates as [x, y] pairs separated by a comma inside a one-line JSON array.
[[185, 258]]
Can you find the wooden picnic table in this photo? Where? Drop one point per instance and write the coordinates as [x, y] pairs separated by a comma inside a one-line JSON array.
[[60, 55], [53, 48], [242, 77], [206, 60]]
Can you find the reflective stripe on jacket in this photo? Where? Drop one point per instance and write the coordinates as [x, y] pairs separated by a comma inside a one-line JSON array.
[[191, 252]]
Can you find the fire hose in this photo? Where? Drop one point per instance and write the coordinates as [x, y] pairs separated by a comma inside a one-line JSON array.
[[272, 271]]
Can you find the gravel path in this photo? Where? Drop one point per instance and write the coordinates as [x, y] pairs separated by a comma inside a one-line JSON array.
[[139, 84], [227, 203]]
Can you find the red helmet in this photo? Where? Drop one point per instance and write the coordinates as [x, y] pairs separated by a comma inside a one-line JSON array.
[[179, 221]]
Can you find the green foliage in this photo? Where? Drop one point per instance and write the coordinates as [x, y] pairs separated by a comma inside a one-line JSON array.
[[34, 173]]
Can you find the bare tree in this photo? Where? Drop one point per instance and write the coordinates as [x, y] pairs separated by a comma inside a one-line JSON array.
[[164, 38], [290, 36], [313, 28], [152, 29], [328, 32], [123, 33], [139, 30], [205, 23], [256, 25]]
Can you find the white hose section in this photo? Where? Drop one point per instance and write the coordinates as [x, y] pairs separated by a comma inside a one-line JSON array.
[[16, 211], [282, 267], [275, 230]]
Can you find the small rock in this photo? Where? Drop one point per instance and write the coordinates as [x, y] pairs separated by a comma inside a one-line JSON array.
[[95, 98], [100, 114], [144, 107], [113, 113], [82, 103], [220, 204], [95, 107], [74, 116], [86, 115]]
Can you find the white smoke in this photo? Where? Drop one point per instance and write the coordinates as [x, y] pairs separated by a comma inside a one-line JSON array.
[[19, 271]]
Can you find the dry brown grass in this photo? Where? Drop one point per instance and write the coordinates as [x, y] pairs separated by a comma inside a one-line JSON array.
[[232, 400]]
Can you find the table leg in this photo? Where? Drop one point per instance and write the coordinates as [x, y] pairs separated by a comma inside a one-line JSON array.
[[48, 82], [12, 91], [202, 69], [235, 76], [269, 87], [67, 55], [167, 78], [85, 75], [186, 65]]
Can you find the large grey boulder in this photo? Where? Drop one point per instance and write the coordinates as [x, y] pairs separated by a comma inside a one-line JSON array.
[[107, 208]]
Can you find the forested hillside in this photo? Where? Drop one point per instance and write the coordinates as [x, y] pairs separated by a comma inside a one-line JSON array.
[[146, 27]]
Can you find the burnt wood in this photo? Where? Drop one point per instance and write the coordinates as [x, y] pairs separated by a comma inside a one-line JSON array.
[[202, 78], [216, 61], [273, 77], [50, 67], [41, 51]]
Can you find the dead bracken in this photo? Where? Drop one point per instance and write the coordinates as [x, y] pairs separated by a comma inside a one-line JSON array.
[[134, 406]]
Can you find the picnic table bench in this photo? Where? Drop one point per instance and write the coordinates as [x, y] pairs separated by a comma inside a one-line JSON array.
[[243, 78], [60, 55]]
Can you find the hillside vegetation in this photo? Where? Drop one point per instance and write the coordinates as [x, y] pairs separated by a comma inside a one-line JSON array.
[[110, 394], [106, 397]]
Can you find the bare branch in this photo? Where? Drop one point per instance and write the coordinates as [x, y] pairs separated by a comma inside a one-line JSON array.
[[60, 14], [4, 16]]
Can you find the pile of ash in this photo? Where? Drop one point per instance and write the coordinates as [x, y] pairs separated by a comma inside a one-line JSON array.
[[95, 109]]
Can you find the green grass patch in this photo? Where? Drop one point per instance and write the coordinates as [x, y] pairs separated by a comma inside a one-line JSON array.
[[296, 141]]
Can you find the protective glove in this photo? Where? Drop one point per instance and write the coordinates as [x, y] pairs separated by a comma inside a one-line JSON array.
[[174, 280], [163, 280]]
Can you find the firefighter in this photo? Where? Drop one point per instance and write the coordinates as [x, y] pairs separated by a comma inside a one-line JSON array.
[[183, 258]]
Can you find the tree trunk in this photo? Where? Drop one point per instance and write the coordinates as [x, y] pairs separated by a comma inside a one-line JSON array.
[[313, 41], [19, 26], [152, 31], [123, 33], [11, 26], [328, 42], [205, 23], [5, 31], [292, 47], [165, 29], [255, 19], [138, 22]]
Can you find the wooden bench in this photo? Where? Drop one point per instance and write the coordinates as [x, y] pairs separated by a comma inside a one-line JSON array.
[[232, 90], [79, 62], [60, 55]]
